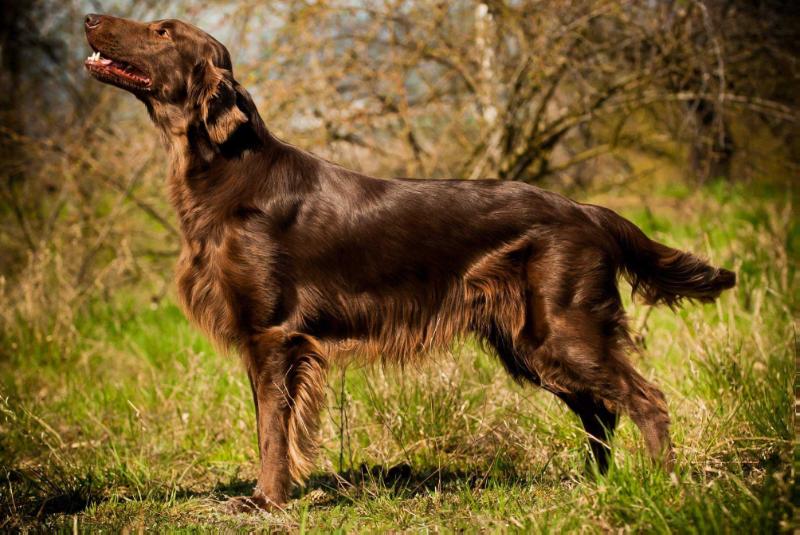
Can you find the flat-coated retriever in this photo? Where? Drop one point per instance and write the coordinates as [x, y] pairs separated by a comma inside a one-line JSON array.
[[293, 261]]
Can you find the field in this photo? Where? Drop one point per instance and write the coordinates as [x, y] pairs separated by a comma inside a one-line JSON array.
[[137, 423]]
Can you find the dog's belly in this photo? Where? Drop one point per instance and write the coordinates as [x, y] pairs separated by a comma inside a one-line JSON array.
[[419, 306]]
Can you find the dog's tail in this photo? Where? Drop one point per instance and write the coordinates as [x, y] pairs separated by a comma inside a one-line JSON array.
[[657, 272]]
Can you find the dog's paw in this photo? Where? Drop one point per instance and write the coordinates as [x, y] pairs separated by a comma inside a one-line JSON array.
[[250, 505]]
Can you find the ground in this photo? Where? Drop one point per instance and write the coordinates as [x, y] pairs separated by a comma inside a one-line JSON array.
[[140, 424]]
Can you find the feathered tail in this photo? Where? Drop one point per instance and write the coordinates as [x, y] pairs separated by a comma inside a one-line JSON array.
[[660, 273]]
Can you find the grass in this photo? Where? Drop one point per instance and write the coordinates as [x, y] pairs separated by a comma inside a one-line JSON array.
[[136, 423]]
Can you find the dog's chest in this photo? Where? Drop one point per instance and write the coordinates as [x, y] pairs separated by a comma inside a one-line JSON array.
[[225, 287]]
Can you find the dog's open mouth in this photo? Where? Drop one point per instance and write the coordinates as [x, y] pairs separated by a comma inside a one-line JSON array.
[[117, 72]]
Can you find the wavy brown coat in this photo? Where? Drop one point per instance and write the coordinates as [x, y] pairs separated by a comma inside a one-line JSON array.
[[294, 261]]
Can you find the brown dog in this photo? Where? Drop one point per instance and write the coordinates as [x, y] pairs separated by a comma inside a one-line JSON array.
[[290, 259]]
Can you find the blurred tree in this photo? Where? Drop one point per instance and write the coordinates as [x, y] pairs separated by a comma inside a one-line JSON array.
[[49, 112], [24, 53], [521, 90], [753, 66]]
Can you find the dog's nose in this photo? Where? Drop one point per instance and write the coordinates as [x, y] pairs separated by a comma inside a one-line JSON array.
[[92, 21]]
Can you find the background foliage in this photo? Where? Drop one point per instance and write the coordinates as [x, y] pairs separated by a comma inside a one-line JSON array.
[[680, 114]]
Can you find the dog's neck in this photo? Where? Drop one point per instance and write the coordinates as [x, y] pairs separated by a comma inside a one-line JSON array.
[[196, 164], [190, 148]]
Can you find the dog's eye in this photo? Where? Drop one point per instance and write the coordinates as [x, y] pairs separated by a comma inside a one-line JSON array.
[[162, 32]]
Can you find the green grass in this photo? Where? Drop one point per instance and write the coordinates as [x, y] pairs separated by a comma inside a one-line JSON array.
[[136, 422]]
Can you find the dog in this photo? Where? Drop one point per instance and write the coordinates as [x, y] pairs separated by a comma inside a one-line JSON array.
[[294, 262]]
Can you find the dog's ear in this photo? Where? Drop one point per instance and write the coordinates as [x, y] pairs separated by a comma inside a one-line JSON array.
[[214, 93]]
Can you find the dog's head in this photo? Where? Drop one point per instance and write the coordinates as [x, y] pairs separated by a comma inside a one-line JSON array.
[[167, 62]]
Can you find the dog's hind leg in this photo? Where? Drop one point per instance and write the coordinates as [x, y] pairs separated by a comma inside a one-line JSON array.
[[579, 355], [520, 354], [598, 421], [592, 363]]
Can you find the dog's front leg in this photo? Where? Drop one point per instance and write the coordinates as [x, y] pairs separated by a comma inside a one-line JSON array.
[[287, 375]]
